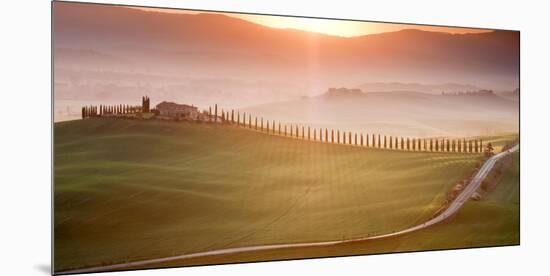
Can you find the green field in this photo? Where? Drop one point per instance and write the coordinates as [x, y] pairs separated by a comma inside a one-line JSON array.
[[130, 190], [494, 221]]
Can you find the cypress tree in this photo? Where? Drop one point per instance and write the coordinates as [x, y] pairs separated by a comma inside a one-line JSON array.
[[308, 133], [296, 131], [379, 141], [216, 113], [303, 133], [455, 142], [291, 131], [436, 145], [285, 130], [332, 135], [361, 139], [232, 116], [338, 137], [326, 135], [480, 145], [320, 134], [279, 126], [267, 128], [453, 145], [408, 144], [255, 122], [425, 144], [367, 139], [402, 143], [385, 142], [314, 134]]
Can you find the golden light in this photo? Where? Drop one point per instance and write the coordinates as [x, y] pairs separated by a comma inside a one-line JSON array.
[[344, 28], [331, 27]]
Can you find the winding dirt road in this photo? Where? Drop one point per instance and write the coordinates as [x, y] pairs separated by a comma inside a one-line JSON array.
[[451, 210]]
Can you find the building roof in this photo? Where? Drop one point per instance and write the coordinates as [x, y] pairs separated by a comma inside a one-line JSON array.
[[174, 106]]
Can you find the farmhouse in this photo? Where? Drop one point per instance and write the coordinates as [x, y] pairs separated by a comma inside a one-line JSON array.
[[344, 92], [178, 111]]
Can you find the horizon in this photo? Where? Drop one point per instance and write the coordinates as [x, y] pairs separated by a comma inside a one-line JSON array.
[[347, 28]]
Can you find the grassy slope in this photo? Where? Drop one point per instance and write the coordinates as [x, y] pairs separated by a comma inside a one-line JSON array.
[[131, 190], [491, 222]]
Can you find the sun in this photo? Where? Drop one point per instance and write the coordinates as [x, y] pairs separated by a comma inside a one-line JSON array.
[[325, 26]]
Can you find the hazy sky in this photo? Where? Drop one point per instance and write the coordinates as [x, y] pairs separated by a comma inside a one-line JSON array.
[[344, 28]]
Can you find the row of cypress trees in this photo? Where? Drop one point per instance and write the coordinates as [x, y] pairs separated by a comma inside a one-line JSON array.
[[347, 137], [101, 110]]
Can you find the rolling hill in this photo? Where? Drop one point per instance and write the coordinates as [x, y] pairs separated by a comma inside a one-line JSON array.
[[132, 190]]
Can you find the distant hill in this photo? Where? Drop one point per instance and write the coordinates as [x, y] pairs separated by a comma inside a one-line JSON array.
[[418, 87], [270, 64], [400, 113]]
